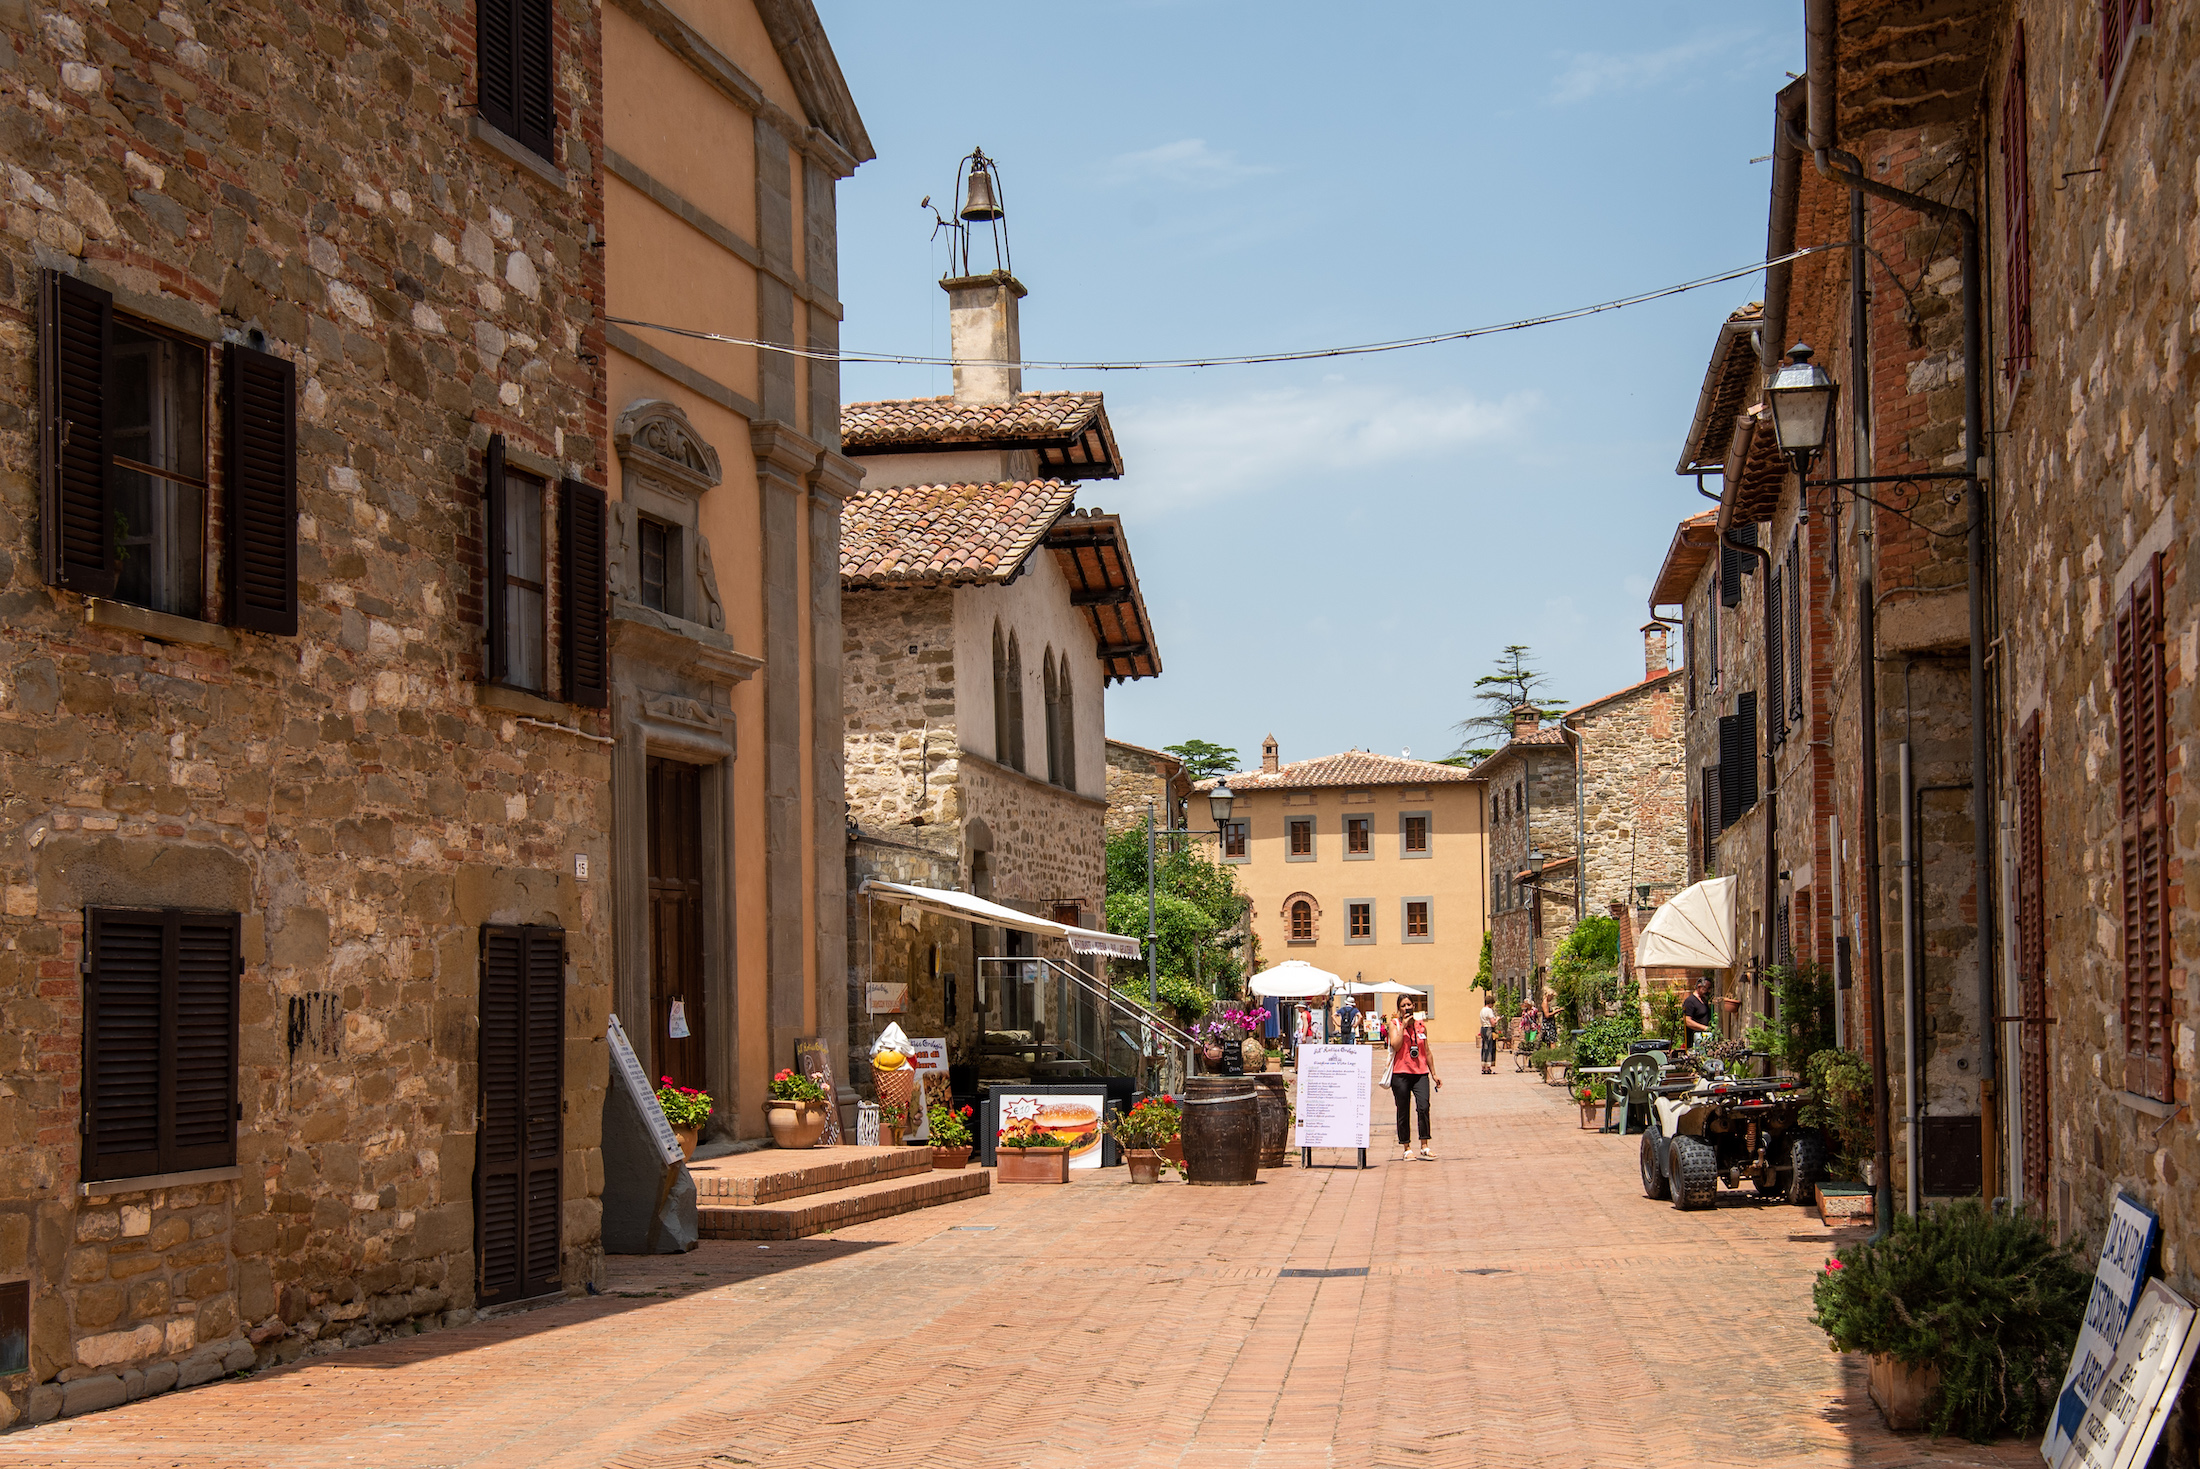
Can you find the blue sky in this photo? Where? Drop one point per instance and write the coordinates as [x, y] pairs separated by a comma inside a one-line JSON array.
[[1334, 551]]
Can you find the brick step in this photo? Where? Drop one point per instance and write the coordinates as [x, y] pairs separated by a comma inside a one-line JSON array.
[[773, 1175], [815, 1213]]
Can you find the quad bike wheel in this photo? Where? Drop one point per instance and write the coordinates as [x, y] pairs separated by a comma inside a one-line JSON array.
[[1694, 1168], [1808, 1154], [1655, 1185]]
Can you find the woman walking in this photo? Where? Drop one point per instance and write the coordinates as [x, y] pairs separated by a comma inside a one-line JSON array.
[[1489, 1040], [1412, 1071]]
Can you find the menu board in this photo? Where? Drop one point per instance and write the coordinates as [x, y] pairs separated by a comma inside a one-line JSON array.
[[2126, 1252], [627, 1068], [928, 1057], [1074, 1115], [2141, 1383], [1336, 1096]]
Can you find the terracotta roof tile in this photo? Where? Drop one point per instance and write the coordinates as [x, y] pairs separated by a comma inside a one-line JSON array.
[[1695, 542], [1729, 382], [1352, 768], [1070, 430], [946, 535]]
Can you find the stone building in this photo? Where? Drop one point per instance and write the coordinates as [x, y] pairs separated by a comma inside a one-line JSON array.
[[1138, 778], [1372, 867], [728, 817], [984, 618], [2038, 959], [303, 972], [1585, 813]]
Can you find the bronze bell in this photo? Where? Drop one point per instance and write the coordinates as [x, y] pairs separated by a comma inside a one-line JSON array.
[[979, 203]]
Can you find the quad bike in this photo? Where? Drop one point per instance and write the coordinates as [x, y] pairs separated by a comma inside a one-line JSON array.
[[1726, 1129]]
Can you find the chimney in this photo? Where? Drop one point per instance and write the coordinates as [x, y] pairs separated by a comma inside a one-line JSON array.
[[982, 332], [1270, 761], [1527, 719], [1654, 637]]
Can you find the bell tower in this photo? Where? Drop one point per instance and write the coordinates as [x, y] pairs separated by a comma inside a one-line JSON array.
[[984, 336]]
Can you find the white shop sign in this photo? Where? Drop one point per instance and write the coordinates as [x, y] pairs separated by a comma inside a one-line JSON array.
[[2133, 1404], [1335, 1096], [2127, 1252], [628, 1069]]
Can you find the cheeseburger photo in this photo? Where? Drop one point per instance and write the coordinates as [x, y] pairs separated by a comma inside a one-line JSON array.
[[1077, 1120]]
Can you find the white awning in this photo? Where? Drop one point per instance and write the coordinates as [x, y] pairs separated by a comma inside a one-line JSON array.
[[977, 910], [1294, 979], [1387, 987], [1693, 930]]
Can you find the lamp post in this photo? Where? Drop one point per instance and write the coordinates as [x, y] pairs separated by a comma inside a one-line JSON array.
[[1802, 398], [1153, 936]]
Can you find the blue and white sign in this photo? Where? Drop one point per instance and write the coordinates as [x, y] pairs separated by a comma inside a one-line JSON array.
[[2127, 1254]]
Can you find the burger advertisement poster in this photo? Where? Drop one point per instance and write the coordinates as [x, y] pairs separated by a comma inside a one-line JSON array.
[[1072, 1115]]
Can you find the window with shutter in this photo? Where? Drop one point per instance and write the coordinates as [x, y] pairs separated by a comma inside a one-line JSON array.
[[512, 52], [1737, 760], [1795, 629], [518, 1182], [2121, 22], [2142, 799], [75, 339], [160, 1041], [2032, 1077], [1734, 564], [2016, 203], [260, 438], [1776, 660], [1710, 812], [584, 593]]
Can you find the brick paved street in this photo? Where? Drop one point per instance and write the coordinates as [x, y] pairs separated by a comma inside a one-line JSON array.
[[1523, 1305]]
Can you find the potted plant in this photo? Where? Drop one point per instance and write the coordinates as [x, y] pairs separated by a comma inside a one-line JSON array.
[[1553, 1062], [686, 1109], [1967, 1312], [1590, 1094], [796, 1112], [950, 1129], [1025, 1154], [1143, 1134]]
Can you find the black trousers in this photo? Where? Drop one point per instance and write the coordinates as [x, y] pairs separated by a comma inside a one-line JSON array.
[[1410, 1089]]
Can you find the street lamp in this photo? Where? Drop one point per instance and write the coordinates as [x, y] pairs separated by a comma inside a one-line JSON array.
[[1802, 397], [1219, 802], [1535, 864]]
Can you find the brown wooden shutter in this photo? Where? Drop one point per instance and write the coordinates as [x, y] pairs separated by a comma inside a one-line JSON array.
[[260, 438], [75, 341], [493, 596], [1710, 810], [2119, 18], [1776, 660], [123, 962], [584, 619], [202, 1078], [519, 1144], [160, 1042], [536, 115], [2142, 750], [2016, 197], [2032, 1071]]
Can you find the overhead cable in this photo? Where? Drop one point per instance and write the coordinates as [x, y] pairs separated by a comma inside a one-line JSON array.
[[1311, 354]]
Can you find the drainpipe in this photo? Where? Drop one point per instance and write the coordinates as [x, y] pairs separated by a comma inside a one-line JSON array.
[[1819, 20], [1909, 981]]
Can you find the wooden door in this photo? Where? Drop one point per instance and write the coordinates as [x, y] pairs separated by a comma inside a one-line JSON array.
[[676, 918], [520, 1146]]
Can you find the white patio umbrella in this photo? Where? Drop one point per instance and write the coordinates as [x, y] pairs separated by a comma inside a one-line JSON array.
[[1294, 979], [1387, 987], [1693, 930]]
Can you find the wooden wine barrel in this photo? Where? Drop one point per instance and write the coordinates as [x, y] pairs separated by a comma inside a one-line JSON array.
[[1275, 1120], [1221, 1130]]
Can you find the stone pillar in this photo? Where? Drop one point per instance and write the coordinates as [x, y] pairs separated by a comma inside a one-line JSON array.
[[985, 338], [785, 460], [832, 482]]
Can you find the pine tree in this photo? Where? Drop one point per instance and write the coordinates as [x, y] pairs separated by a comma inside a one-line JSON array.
[[1498, 694]]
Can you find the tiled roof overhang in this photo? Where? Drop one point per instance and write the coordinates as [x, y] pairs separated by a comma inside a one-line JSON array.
[[945, 535], [1069, 431], [1350, 768], [1695, 542], [1089, 547], [1729, 383]]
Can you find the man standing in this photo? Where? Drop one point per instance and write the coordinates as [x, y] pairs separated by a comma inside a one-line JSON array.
[[1696, 1014], [1348, 1021]]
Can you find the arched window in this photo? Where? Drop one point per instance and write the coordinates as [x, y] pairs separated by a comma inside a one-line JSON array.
[[1054, 719], [1066, 714], [1014, 755], [1302, 922], [1000, 696]]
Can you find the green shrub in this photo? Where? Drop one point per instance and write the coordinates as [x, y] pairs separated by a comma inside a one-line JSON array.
[[1665, 1017], [1840, 1107], [1988, 1297], [1801, 1023], [1585, 970], [1552, 1056], [1603, 1042]]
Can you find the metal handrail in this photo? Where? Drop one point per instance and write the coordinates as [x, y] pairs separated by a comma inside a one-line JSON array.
[[1157, 1041]]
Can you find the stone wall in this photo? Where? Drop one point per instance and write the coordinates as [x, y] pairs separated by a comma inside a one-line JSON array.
[[1634, 802], [351, 791], [1137, 777], [1543, 822], [2095, 474], [900, 707]]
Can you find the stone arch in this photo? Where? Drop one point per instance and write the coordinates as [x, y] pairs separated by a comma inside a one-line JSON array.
[[656, 435]]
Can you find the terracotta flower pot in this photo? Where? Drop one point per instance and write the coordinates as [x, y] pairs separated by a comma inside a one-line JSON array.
[[1033, 1165], [1904, 1393], [1589, 1115], [952, 1160], [688, 1136], [1173, 1150], [1145, 1164], [794, 1124]]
